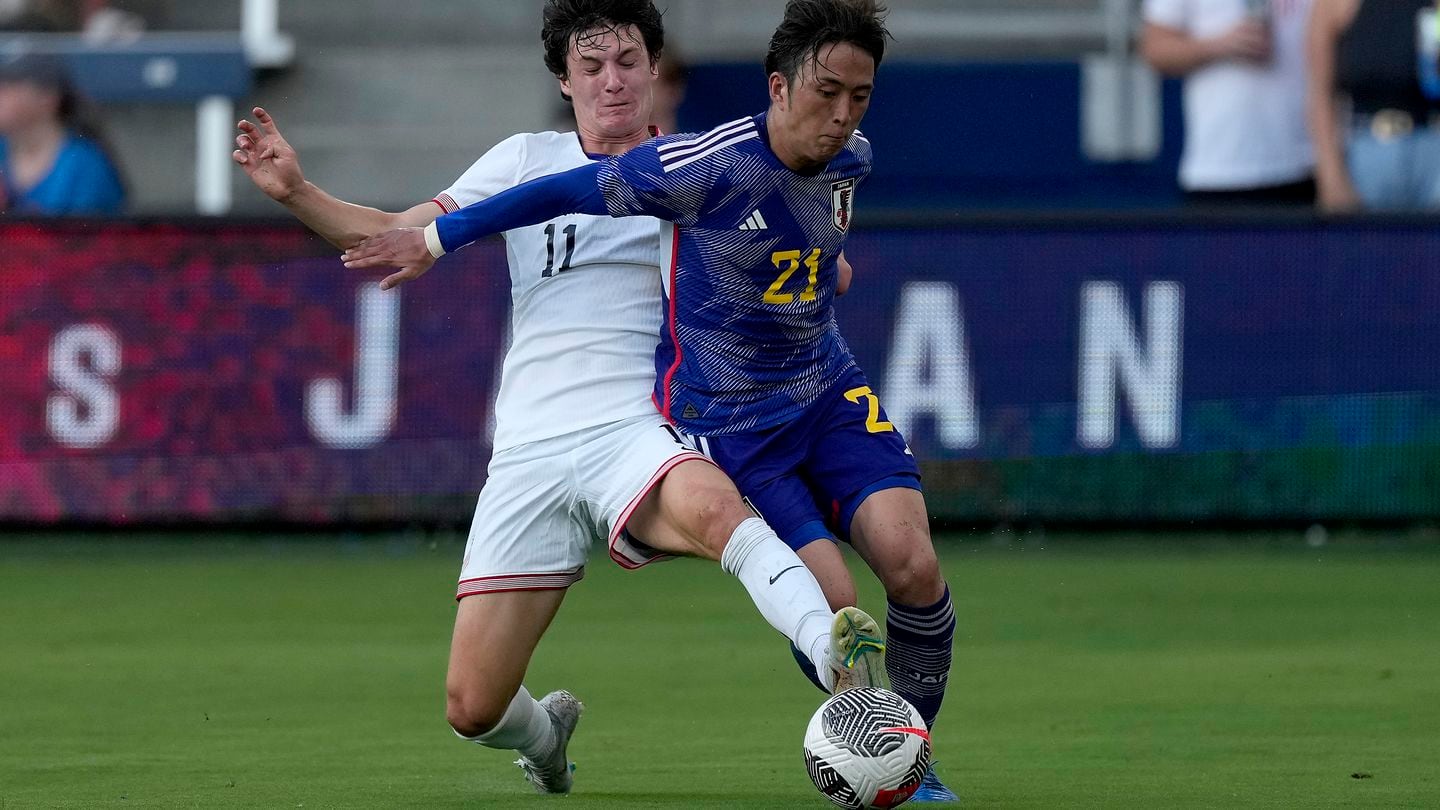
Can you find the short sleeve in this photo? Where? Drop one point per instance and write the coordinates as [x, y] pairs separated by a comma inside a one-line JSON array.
[[103, 194], [1167, 13], [495, 171], [638, 183], [86, 183]]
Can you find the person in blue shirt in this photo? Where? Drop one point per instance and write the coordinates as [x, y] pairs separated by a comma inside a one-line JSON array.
[[53, 158], [751, 362]]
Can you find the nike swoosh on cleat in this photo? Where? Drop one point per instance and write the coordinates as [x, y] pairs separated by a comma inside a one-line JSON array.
[[782, 573]]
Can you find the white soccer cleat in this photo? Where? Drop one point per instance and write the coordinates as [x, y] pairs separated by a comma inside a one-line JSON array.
[[553, 773], [857, 651]]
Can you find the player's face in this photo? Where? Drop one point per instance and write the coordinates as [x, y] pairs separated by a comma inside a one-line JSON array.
[[821, 109], [610, 81]]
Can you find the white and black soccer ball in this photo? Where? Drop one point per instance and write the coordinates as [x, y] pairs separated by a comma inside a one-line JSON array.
[[867, 748]]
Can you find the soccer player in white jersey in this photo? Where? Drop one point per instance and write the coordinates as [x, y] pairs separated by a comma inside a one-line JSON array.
[[579, 450], [750, 357]]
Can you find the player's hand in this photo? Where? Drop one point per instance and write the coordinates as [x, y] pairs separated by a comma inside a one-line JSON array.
[[1247, 42], [267, 158], [404, 248]]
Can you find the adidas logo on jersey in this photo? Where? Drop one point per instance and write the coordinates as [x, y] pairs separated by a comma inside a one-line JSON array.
[[689, 412], [754, 222]]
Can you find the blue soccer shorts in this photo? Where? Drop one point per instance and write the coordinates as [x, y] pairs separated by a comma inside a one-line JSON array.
[[807, 477]]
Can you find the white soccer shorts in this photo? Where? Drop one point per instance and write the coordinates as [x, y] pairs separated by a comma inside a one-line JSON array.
[[546, 501]]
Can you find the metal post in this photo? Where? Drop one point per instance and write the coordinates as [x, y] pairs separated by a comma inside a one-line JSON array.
[[214, 117], [1117, 49], [260, 31]]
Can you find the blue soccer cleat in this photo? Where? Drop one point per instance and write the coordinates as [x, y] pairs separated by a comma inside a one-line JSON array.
[[933, 790]]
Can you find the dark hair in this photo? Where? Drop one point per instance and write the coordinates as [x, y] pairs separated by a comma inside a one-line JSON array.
[[810, 25], [567, 19]]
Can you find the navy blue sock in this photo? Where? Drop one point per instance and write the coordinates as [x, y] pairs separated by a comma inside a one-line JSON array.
[[917, 653], [808, 667]]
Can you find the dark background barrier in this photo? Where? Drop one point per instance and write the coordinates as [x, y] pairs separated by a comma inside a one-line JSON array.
[[992, 136], [1044, 369]]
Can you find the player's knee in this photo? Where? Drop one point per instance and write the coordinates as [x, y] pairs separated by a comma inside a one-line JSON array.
[[472, 712], [717, 513], [913, 577]]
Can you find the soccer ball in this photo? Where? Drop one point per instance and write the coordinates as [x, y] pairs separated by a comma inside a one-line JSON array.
[[867, 748]]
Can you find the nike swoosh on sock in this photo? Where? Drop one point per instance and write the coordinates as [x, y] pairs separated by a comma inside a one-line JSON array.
[[782, 573]]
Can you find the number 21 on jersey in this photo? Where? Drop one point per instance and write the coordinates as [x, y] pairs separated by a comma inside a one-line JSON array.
[[788, 262]]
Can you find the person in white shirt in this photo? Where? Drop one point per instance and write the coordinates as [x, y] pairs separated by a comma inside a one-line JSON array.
[[580, 452], [1243, 63]]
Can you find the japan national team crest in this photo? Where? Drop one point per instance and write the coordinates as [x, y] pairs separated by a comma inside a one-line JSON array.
[[842, 203]]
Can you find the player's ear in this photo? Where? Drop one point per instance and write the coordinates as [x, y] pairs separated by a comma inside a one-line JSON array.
[[779, 89]]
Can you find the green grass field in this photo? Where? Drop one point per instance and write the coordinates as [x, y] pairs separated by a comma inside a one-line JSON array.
[[1116, 672]]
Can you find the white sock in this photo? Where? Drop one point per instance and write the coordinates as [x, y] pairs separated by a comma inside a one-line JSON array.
[[791, 600], [525, 727]]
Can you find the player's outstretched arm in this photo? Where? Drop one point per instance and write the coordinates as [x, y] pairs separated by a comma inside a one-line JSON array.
[[403, 248], [273, 166], [573, 192], [414, 250]]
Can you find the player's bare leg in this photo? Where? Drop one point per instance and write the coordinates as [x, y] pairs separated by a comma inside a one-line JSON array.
[[827, 564], [697, 511], [486, 701], [825, 560], [693, 512], [891, 532]]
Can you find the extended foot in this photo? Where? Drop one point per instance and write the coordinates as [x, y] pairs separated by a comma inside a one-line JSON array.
[[552, 773], [857, 651], [933, 790]]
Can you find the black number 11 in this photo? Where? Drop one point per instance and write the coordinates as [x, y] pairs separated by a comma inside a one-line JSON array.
[[550, 268]]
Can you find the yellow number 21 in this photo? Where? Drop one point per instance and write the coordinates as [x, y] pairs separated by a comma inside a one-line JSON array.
[[873, 422], [787, 262]]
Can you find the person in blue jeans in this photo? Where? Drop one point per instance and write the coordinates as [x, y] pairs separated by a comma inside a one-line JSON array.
[[1384, 155], [54, 160]]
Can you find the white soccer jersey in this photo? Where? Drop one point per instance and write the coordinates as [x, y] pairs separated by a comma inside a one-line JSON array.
[[585, 302]]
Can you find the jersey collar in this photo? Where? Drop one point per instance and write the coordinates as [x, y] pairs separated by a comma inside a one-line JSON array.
[[654, 133]]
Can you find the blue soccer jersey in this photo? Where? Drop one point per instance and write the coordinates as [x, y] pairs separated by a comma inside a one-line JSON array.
[[750, 270]]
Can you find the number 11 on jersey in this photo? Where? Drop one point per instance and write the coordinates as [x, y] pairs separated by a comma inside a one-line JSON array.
[[550, 268]]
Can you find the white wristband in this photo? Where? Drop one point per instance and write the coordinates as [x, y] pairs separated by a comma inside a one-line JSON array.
[[432, 241]]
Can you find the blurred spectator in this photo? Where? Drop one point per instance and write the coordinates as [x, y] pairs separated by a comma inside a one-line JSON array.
[[104, 21], [1369, 53], [95, 20], [1243, 62], [44, 16], [54, 160], [669, 92]]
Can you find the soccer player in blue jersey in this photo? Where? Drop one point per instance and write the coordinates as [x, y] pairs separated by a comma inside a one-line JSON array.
[[579, 453], [750, 360]]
